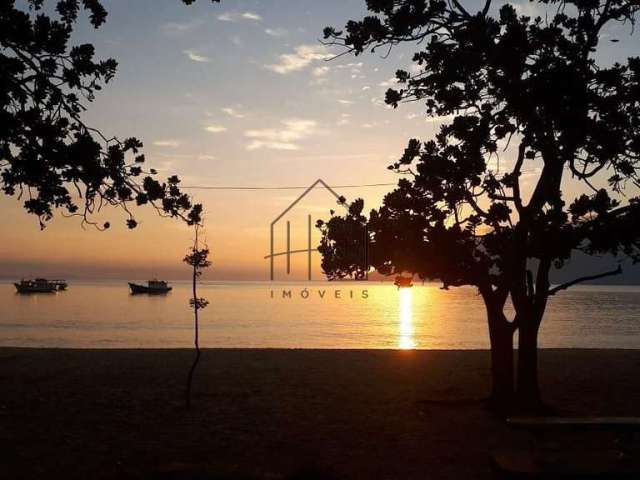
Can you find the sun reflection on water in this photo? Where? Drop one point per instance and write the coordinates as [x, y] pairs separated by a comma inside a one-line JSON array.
[[405, 339]]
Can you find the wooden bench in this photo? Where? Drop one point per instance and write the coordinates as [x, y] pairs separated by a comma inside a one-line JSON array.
[[548, 457]]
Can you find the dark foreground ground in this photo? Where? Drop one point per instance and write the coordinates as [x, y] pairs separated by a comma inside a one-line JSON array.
[[96, 414]]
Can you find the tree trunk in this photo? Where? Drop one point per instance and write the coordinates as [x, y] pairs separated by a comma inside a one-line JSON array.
[[196, 333], [528, 390], [502, 378]]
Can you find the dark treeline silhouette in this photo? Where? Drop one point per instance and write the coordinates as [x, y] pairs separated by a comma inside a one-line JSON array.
[[48, 154], [532, 84]]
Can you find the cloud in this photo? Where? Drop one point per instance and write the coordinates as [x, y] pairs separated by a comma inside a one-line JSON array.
[[350, 65], [180, 28], [215, 128], [276, 32], [528, 9], [251, 16], [342, 101], [344, 119], [196, 57], [167, 143], [440, 119], [285, 138], [239, 16], [365, 88], [232, 112], [320, 71], [389, 83], [428, 119], [302, 57], [379, 102]]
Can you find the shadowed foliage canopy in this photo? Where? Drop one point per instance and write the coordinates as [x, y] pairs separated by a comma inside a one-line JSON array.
[[49, 156], [502, 82], [531, 84]]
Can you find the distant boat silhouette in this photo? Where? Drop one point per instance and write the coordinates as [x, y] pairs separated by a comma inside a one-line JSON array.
[[153, 287], [403, 282], [40, 285]]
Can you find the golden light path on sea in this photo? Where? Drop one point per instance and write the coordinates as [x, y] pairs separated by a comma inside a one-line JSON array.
[[406, 331]]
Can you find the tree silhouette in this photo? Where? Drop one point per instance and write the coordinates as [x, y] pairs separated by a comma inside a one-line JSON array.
[[48, 155], [198, 260], [531, 86]]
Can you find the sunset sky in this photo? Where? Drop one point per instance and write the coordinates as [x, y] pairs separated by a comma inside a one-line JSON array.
[[235, 94]]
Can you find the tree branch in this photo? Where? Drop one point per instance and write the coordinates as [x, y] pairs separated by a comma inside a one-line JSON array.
[[564, 286], [487, 5], [461, 9], [517, 169]]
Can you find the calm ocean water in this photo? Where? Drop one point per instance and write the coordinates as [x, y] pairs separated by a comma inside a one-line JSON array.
[[105, 315]]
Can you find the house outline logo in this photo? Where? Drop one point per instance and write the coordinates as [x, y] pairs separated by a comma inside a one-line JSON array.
[[288, 252]]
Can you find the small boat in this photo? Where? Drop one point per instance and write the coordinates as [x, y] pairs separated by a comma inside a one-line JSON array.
[[403, 282], [40, 285], [153, 287]]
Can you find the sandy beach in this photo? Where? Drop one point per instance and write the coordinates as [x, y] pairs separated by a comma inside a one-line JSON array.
[[270, 414]]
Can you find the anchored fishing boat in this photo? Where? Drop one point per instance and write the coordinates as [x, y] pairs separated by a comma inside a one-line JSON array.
[[40, 285], [403, 282], [153, 287]]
